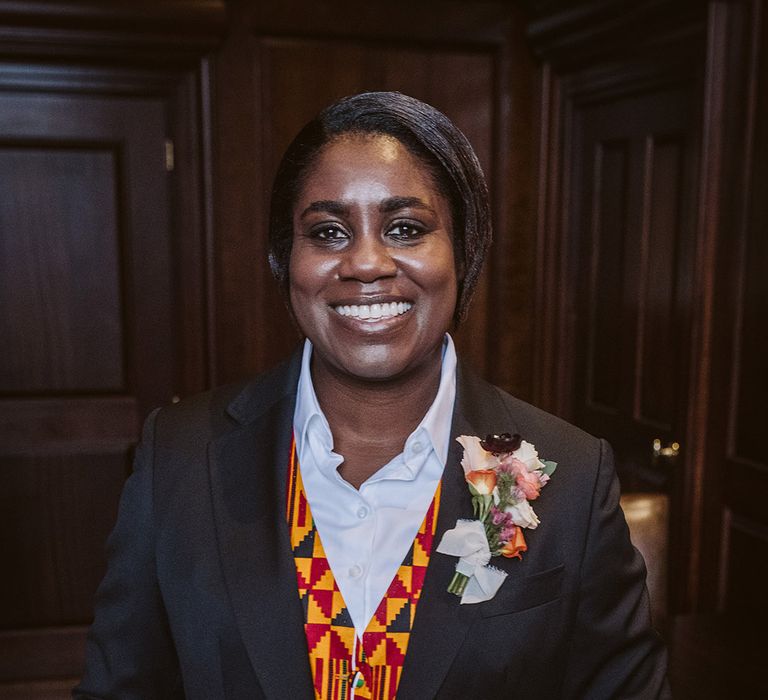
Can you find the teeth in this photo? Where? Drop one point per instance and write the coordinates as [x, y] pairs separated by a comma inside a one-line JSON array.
[[374, 312]]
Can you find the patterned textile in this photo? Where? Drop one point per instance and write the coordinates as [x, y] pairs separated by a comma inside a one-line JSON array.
[[330, 632]]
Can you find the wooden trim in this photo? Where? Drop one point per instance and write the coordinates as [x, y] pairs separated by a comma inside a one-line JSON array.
[[205, 14], [68, 424], [710, 203], [161, 32], [209, 226], [551, 257], [745, 191], [51, 652], [572, 37], [60, 689], [441, 22]]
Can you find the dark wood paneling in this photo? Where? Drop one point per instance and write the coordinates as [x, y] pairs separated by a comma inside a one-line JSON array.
[[55, 514], [746, 565], [51, 652], [619, 238], [628, 287], [111, 277], [50, 425], [608, 222], [750, 380], [735, 463], [60, 284], [105, 257], [153, 32], [656, 398], [89, 295]]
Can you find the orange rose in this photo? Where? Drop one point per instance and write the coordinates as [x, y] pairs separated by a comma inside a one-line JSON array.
[[482, 481], [516, 545]]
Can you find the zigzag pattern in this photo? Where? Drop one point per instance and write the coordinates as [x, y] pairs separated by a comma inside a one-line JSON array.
[[327, 623]]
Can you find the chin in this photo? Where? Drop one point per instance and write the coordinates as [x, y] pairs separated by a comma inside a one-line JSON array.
[[380, 363]]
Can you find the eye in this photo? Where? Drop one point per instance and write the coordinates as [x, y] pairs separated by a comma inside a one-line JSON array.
[[406, 230], [328, 233]]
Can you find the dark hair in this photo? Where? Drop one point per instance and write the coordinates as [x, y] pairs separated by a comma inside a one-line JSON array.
[[430, 136]]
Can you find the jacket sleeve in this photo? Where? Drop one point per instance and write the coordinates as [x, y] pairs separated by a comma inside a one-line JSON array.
[[130, 652], [614, 652]]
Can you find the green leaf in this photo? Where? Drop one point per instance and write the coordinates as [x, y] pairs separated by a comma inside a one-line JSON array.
[[549, 467]]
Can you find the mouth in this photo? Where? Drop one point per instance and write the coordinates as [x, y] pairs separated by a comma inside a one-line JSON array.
[[373, 312]]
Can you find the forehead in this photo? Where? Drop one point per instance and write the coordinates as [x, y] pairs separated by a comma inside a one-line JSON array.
[[368, 157]]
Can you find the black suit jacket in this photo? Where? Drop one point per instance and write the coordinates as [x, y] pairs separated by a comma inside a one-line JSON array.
[[200, 598]]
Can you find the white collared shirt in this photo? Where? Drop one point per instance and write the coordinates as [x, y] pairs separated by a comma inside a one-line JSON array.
[[366, 533]]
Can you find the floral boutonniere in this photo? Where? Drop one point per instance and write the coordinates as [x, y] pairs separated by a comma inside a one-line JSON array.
[[503, 473]]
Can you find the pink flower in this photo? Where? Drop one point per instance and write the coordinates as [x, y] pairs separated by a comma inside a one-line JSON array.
[[507, 531], [512, 465], [498, 516], [529, 484]]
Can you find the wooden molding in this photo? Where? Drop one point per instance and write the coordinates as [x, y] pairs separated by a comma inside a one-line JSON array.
[[570, 35], [167, 32]]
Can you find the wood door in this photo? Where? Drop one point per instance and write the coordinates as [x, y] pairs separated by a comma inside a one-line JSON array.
[[86, 349], [731, 563], [633, 226]]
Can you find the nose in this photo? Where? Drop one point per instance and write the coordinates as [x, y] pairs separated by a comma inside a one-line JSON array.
[[367, 259]]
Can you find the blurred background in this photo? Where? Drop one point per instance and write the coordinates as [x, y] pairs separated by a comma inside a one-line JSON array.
[[626, 147]]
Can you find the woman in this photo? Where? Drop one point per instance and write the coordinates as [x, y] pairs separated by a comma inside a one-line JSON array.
[[284, 534]]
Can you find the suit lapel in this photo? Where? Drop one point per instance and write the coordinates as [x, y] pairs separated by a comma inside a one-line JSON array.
[[441, 623], [248, 468]]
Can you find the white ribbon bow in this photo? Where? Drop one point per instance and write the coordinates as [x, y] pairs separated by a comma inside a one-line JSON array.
[[469, 542]]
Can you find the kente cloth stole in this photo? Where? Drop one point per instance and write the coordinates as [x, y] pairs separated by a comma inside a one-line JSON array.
[[327, 623]]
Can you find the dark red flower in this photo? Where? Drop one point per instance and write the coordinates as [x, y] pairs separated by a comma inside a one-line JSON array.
[[501, 443]]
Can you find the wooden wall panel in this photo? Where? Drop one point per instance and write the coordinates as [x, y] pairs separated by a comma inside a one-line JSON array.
[[607, 279], [750, 377], [747, 581], [60, 281], [55, 515], [656, 397]]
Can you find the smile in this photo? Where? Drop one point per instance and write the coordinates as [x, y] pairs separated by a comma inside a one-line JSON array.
[[374, 312]]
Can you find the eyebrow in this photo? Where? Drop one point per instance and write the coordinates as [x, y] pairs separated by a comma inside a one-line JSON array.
[[394, 203], [331, 206], [387, 206]]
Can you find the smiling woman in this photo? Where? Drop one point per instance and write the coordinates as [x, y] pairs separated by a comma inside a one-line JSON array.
[[293, 536]]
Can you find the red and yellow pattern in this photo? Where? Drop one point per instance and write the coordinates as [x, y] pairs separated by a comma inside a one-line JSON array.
[[327, 623]]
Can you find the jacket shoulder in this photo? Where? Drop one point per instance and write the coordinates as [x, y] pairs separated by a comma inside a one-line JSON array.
[[211, 413]]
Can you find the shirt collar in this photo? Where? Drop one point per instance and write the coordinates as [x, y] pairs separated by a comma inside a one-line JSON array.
[[434, 428]]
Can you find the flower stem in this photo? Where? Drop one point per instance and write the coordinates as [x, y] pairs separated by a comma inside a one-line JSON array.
[[458, 584]]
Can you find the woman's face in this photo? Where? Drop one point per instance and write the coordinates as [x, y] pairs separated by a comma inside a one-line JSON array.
[[372, 276]]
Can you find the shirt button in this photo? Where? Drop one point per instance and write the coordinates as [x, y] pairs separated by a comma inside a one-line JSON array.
[[355, 571], [417, 447], [362, 512]]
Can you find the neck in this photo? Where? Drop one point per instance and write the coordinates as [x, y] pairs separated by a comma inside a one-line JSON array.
[[371, 420]]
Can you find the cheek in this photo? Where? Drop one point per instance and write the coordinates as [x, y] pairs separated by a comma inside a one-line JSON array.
[[439, 275]]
